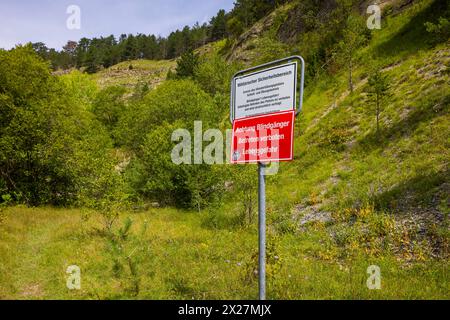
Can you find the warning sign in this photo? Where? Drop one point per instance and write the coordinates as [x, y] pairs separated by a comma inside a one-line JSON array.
[[265, 138]]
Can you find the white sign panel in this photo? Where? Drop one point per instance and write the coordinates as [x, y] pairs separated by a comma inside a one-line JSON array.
[[267, 91]]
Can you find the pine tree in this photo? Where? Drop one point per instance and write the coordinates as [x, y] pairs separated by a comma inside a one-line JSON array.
[[353, 38], [187, 64], [219, 26], [377, 93], [131, 49]]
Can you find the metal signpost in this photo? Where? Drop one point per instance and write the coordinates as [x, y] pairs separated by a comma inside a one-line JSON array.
[[264, 98]]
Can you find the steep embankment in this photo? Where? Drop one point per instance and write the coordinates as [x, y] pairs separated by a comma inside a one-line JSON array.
[[344, 175]]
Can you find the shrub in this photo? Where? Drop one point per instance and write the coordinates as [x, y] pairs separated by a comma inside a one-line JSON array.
[[214, 75], [108, 105], [187, 65], [440, 30], [154, 175], [49, 142], [174, 100]]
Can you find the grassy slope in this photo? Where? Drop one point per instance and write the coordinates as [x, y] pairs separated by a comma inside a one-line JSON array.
[[142, 71], [341, 172], [338, 160], [338, 165]]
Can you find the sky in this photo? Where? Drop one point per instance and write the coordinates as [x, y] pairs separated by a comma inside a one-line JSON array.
[[23, 21]]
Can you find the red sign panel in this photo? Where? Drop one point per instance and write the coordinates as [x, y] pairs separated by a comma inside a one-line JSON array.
[[265, 138]]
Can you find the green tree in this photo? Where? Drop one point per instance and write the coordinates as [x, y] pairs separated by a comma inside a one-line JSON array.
[[49, 143], [108, 105], [81, 87], [270, 49], [353, 38], [213, 74], [235, 26], [92, 60], [131, 50], [199, 35], [41, 49], [171, 101], [147, 130], [377, 92], [81, 51], [439, 30], [187, 65], [155, 176], [219, 26], [69, 51]]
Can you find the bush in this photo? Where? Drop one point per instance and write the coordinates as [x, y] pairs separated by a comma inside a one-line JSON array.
[[440, 30], [147, 130], [81, 87], [155, 176], [214, 75], [50, 144], [108, 105], [270, 49], [187, 65], [174, 100]]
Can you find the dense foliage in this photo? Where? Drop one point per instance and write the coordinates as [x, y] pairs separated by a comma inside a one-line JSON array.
[[57, 142], [51, 147]]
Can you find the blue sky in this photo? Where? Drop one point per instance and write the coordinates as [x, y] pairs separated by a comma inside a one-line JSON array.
[[22, 21]]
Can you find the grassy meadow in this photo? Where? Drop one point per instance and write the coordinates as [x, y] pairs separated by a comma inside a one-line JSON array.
[[176, 257]]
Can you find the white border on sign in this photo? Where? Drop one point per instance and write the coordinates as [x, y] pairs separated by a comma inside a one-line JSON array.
[[295, 63], [269, 160]]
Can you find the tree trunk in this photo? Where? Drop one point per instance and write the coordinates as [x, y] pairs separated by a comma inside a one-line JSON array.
[[378, 118], [350, 76]]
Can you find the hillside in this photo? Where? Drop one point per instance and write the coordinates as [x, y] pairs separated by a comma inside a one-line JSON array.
[[339, 163], [354, 196], [131, 73], [408, 171]]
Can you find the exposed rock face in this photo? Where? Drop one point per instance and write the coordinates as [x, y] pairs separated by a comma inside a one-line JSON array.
[[293, 20], [245, 43], [303, 17]]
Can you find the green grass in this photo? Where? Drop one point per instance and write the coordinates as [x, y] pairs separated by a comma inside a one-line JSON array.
[[141, 71], [343, 144], [177, 258]]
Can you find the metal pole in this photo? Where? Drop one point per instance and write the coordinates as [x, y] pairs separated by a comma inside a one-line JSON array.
[[262, 230]]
